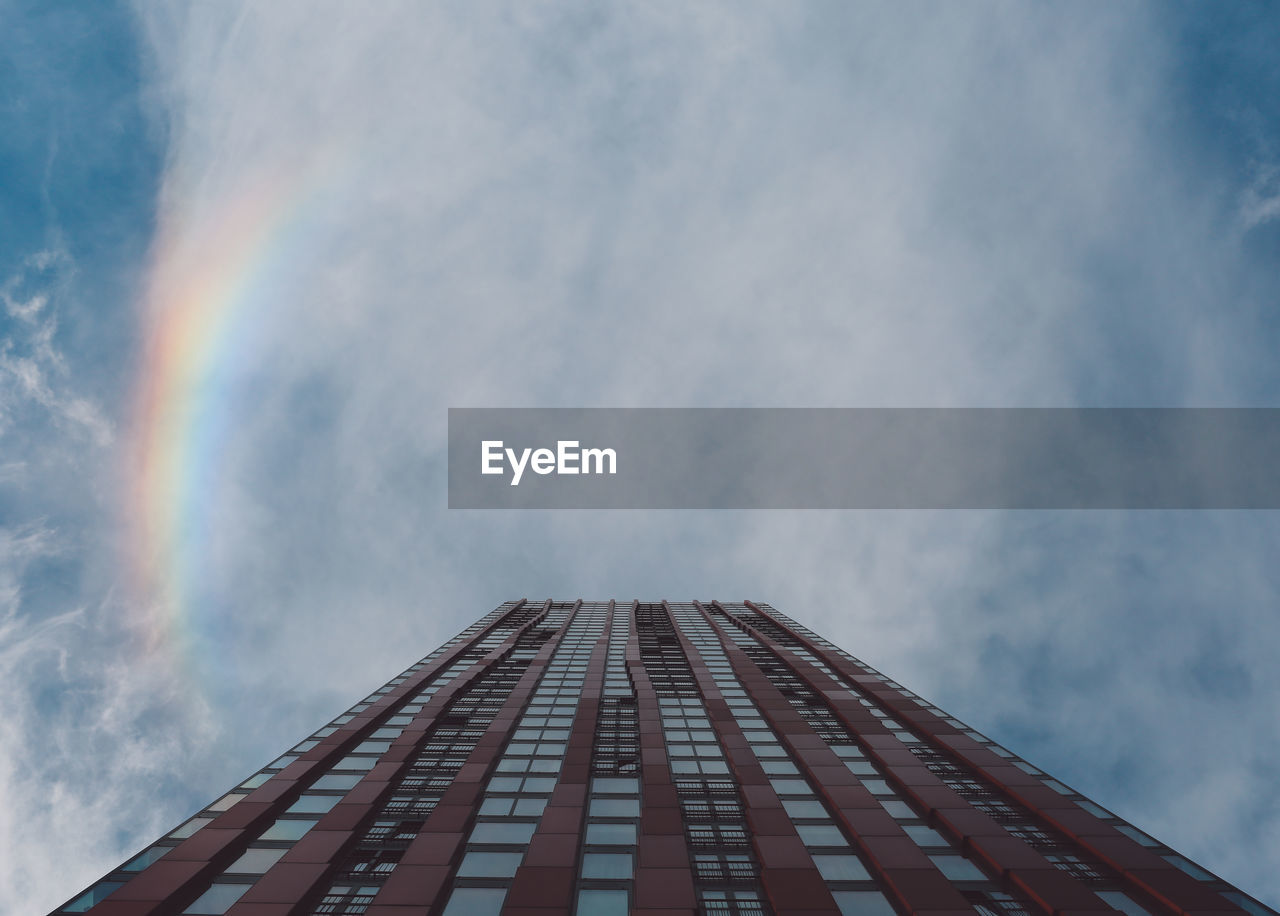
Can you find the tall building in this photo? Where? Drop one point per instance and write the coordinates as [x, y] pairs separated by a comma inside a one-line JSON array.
[[606, 758]]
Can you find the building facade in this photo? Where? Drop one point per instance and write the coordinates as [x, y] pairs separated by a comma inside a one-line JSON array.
[[651, 758]]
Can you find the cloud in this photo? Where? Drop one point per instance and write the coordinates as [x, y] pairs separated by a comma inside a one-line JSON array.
[[562, 204]]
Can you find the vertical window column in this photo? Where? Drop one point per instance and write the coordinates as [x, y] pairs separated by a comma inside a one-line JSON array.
[[411, 785], [512, 794], [664, 878], [726, 870]]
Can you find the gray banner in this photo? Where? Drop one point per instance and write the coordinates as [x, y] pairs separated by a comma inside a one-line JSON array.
[[864, 458]]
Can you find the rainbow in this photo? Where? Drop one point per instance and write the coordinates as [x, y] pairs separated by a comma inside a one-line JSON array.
[[217, 282]]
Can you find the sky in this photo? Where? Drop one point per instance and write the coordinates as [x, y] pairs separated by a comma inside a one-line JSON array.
[[251, 253]]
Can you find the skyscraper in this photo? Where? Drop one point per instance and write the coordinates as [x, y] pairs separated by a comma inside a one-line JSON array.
[[653, 758]]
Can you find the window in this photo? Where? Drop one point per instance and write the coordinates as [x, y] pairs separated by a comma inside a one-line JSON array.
[[476, 901], [841, 868], [227, 801], [530, 807], [1189, 867], [287, 829], [898, 809], [790, 787], [497, 806], [314, 804], [190, 827], [340, 781], [254, 781], [93, 896], [1136, 835], [862, 903], [256, 861], [611, 834], [957, 868], [144, 858], [503, 832], [217, 899], [615, 786], [802, 809], [862, 767], [615, 807], [602, 902], [1121, 901], [489, 865], [925, 836], [820, 835], [608, 865]]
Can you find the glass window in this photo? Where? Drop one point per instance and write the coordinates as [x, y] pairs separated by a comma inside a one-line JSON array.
[[925, 836], [227, 801], [355, 763], [603, 903], [790, 786], [1189, 867], [496, 806], [1136, 835], [820, 835], [255, 780], [530, 807], [612, 834], [217, 899], [1247, 903], [281, 762], [1118, 900], [862, 767], [145, 858], [190, 827], [899, 809], [310, 804], [287, 829], [256, 861], [957, 868], [489, 864], [93, 896], [476, 901], [372, 747], [337, 781], [314, 804], [613, 865], [502, 832], [1096, 810], [799, 808], [877, 787], [615, 807], [615, 786], [841, 868]]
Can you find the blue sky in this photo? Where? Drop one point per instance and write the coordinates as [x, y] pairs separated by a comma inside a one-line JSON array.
[[562, 205]]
